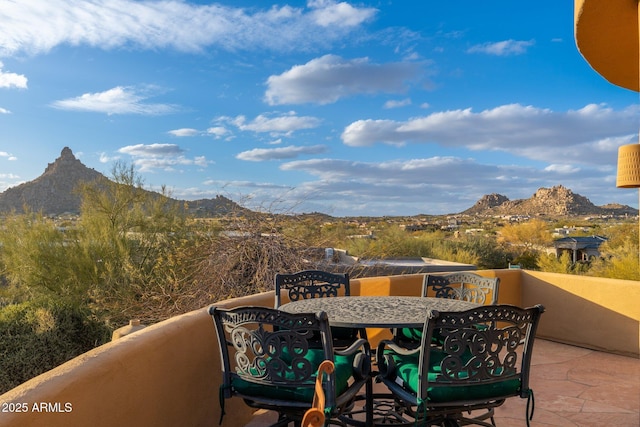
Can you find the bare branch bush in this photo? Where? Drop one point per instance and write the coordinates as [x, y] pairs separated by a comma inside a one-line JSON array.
[[244, 257]]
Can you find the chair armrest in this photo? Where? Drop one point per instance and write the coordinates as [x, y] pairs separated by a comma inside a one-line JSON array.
[[314, 416], [385, 362], [362, 359], [392, 345], [354, 347]]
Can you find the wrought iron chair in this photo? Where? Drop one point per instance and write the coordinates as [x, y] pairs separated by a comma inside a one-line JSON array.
[[270, 359], [318, 284], [474, 368], [311, 284], [464, 286]]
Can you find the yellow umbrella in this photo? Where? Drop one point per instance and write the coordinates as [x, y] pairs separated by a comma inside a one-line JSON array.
[[606, 33]]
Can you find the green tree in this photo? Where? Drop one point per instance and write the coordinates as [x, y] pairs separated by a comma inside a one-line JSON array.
[[41, 261], [40, 335], [129, 255], [138, 240], [533, 234], [552, 264], [619, 260]]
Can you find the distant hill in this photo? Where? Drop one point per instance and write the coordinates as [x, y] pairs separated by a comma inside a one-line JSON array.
[[556, 201], [53, 192]]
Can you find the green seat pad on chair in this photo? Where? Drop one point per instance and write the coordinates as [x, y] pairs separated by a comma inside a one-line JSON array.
[[406, 374], [343, 372]]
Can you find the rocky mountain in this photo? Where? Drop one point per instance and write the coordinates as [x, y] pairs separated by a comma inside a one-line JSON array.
[[53, 192], [555, 201]]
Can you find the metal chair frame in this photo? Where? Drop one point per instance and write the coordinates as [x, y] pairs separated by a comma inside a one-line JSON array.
[[487, 345], [308, 284], [311, 284], [464, 286], [267, 347]]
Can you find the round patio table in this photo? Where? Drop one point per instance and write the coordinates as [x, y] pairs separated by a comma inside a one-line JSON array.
[[377, 311]]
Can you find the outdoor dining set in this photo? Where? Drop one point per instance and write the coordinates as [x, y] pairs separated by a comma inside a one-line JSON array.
[[453, 354]]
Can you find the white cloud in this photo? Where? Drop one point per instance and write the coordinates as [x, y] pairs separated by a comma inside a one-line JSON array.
[[12, 80], [244, 184], [166, 157], [184, 132], [280, 153], [9, 157], [200, 161], [562, 169], [4, 111], [502, 48], [105, 158], [119, 100], [152, 150], [397, 103], [583, 135], [328, 13], [279, 125], [218, 131], [37, 26], [326, 79]]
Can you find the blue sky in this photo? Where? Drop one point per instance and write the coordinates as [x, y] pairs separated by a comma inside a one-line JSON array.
[[346, 108]]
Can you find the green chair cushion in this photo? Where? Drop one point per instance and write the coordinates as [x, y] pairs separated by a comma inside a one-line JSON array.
[[407, 375], [410, 334], [434, 359], [343, 371]]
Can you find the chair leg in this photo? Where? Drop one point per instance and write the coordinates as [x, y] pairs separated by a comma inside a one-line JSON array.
[[369, 402]]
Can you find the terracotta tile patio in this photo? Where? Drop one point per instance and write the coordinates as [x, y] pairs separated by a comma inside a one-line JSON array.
[[574, 387]]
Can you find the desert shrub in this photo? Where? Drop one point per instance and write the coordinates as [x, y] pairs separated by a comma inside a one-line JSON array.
[[529, 259], [619, 260], [390, 242], [244, 259], [38, 336]]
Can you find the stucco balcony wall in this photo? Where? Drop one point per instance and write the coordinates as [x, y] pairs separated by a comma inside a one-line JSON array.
[[592, 312], [165, 375], [168, 374]]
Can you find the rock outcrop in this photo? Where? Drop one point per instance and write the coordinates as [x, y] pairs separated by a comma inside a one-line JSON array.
[[53, 192], [556, 201]]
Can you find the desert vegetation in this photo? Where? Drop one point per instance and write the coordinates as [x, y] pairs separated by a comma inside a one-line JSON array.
[[134, 254]]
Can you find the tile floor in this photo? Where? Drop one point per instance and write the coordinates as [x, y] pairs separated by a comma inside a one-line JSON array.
[[574, 387], [577, 387]]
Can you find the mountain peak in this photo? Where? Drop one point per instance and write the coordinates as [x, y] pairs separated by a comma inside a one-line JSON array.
[[66, 161], [53, 192], [554, 201], [66, 153]]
